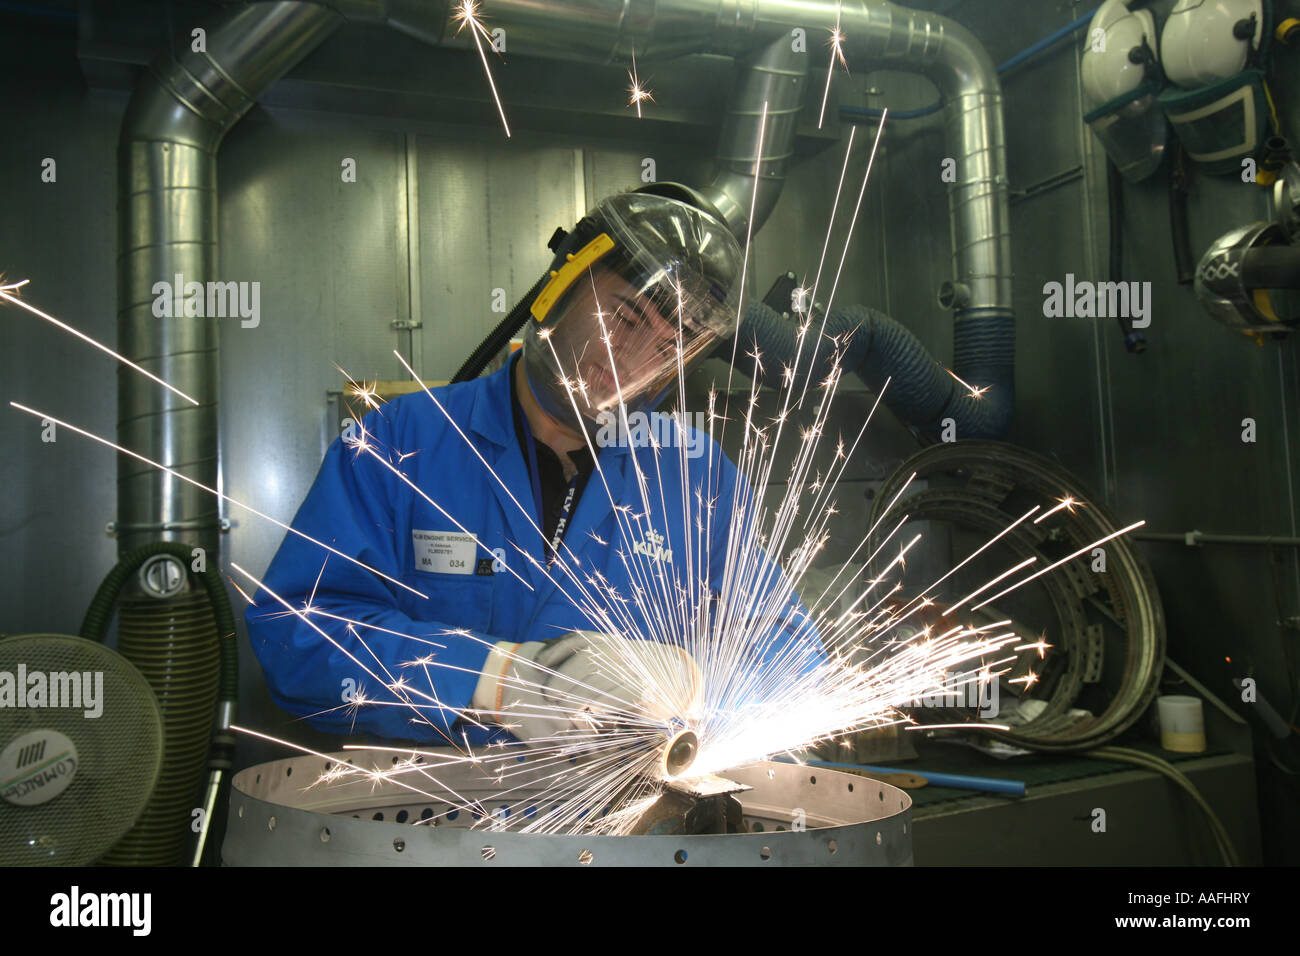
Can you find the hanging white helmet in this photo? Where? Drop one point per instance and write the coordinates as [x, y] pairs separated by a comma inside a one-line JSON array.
[[1119, 51], [1209, 40]]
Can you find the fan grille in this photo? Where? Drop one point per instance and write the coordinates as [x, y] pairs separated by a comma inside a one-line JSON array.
[[118, 753]]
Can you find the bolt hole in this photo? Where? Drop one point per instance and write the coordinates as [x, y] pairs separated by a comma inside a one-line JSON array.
[[399, 844], [241, 811], [832, 846], [882, 796], [812, 780], [401, 816], [489, 853], [765, 853], [879, 839], [270, 824], [379, 815], [585, 857], [288, 771], [771, 775], [679, 856], [850, 788], [324, 834]]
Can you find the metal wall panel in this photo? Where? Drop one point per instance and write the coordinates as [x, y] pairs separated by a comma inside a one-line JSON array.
[[57, 497]]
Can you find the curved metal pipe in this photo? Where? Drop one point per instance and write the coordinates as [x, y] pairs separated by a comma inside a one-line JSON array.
[[167, 226], [772, 84]]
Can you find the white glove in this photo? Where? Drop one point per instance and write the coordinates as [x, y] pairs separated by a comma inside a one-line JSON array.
[[584, 682]]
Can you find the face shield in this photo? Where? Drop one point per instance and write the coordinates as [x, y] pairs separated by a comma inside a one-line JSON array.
[[639, 293], [1121, 82]]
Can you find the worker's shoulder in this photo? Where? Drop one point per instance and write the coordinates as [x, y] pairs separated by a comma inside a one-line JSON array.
[[424, 412]]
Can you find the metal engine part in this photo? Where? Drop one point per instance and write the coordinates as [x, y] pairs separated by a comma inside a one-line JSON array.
[[1108, 637], [790, 816]]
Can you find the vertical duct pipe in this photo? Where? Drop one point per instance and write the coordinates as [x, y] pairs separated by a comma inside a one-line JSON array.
[[167, 227]]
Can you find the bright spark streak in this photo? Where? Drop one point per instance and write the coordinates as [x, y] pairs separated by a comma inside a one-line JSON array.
[[837, 53], [467, 14], [1084, 550], [975, 391], [5, 291], [636, 92], [1067, 503]]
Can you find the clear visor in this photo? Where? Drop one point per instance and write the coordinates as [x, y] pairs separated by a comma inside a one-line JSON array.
[[611, 341]]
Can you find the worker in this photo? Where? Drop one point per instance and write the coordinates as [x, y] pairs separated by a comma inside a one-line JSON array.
[[546, 582]]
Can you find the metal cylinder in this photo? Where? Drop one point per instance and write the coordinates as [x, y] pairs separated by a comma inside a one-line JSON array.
[[791, 816]]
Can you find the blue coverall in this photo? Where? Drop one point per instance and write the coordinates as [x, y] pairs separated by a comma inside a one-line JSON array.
[[363, 510]]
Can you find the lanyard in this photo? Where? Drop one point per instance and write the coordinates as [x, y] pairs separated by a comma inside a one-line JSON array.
[[534, 473]]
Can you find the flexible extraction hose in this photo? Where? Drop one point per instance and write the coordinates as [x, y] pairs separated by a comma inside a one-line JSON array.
[[498, 338], [185, 647], [878, 348]]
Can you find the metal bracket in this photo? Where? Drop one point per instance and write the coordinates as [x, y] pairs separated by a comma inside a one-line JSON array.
[[405, 324]]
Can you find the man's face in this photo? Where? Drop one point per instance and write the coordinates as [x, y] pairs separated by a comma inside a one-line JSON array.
[[642, 338]]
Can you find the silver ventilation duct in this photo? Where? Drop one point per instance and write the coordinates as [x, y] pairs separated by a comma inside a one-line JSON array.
[[185, 104], [167, 227]]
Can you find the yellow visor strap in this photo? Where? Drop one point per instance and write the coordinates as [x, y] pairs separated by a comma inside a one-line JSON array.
[[577, 263]]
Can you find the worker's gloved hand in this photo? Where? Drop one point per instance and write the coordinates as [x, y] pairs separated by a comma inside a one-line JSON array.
[[585, 682]]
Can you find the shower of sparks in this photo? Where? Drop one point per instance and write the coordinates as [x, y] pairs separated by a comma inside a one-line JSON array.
[[467, 14], [716, 642], [7, 291], [636, 92], [837, 53]]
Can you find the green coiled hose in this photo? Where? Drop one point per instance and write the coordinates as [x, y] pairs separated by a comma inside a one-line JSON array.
[[186, 648]]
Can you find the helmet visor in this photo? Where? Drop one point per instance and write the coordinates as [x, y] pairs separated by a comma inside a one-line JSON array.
[[638, 316]]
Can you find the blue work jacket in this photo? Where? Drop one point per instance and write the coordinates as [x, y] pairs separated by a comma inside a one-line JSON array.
[[364, 510]]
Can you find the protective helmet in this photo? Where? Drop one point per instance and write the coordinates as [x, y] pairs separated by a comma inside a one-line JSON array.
[[648, 278], [1121, 77], [1216, 53]]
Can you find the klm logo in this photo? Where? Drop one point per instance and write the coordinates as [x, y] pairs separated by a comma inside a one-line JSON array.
[[30, 754], [652, 546]]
